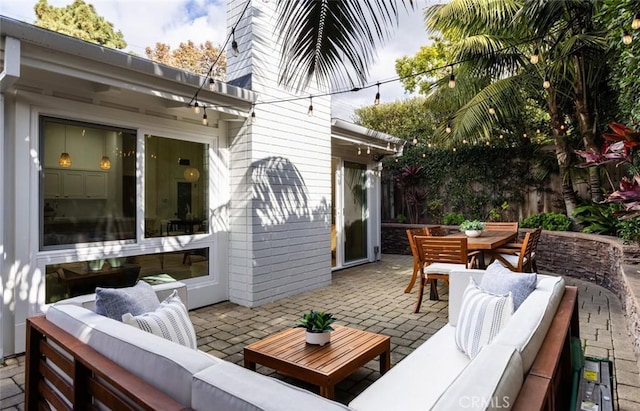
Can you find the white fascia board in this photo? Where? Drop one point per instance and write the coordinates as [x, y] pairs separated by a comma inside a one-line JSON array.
[[341, 128]]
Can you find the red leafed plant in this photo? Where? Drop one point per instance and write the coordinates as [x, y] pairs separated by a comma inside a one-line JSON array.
[[620, 147]]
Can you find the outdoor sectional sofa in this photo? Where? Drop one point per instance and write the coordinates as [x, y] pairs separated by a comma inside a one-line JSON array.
[[75, 356]]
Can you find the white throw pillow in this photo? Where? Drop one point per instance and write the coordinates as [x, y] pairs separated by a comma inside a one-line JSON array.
[[482, 316], [170, 321]]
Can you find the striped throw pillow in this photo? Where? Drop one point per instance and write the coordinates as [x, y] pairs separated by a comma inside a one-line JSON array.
[[482, 316], [170, 321]]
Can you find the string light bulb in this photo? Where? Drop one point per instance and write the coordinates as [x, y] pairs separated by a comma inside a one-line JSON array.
[[635, 24], [546, 83], [626, 38], [368, 150], [359, 151], [376, 101], [310, 111], [535, 57], [452, 79], [415, 140], [205, 120], [448, 128], [234, 44], [196, 107], [212, 84], [424, 155], [388, 146], [501, 136], [492, 110]]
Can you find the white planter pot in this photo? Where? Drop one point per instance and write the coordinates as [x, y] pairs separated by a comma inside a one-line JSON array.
[[317, 338], [473, 233]]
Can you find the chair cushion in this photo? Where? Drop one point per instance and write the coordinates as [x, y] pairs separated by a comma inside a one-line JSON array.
[[442, 268], [500, 280], [513, 259], [482, 316], [170, 321], [116, 302]]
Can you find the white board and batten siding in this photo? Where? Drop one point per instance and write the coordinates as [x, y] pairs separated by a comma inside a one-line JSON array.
[[280, 174]]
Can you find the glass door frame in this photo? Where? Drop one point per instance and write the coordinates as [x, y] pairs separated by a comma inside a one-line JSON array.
[[338, 187]]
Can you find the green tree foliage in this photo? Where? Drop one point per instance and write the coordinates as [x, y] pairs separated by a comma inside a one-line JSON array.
[[80, 20], [190, 57], [407, 119], [422, 69], [617, 16]]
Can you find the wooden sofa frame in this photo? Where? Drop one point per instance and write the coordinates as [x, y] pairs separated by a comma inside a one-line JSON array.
[[94, 377]]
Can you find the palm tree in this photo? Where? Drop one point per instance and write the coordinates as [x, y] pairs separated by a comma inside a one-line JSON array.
[[493, 39], [332, 42]]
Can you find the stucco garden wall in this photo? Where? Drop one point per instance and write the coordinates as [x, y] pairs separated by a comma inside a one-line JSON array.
[[602, 260]]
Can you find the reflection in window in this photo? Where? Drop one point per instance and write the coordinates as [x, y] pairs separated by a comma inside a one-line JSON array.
[[72, 279], [176, 176], [88, 186]]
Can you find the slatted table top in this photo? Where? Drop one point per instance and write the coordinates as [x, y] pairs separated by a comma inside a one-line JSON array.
[[349, 349]]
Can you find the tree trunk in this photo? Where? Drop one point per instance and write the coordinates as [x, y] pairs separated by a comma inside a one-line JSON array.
[[586, 125], [562, 154]]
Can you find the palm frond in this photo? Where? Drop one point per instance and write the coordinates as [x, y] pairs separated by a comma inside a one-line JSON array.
[[332, 42]]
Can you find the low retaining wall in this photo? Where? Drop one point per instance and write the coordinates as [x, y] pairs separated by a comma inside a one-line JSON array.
[[602, 260]]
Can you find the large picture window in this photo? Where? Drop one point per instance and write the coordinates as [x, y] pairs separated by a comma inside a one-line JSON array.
[[88, 183], [176, 191]]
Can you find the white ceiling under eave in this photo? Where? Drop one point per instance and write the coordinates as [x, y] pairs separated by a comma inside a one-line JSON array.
[[109, 71]]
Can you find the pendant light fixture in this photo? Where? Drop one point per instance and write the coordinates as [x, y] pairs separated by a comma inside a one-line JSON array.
[[105, 163], [376, 101], [234, 44], [191, 174], [65, 158]]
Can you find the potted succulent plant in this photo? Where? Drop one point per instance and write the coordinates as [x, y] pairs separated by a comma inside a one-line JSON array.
[[318, 326], [472, 228]]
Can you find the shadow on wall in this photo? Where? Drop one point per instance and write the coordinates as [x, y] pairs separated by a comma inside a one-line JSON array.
[[280, 195]]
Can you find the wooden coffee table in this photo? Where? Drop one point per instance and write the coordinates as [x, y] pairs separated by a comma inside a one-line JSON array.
[[349, 349]]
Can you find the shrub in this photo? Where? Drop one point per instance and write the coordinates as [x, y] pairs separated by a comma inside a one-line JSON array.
[[598, 218], [629, 230], [453, 219], [548, 221]]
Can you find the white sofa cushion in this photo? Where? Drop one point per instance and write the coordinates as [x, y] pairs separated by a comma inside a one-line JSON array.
[[229, 387], [161, 363], [491, 381], [530, 323], [482, 316], [170, 321], [416, 382]]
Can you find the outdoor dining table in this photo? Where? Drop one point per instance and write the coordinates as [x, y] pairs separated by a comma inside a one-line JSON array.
[[487, 241]]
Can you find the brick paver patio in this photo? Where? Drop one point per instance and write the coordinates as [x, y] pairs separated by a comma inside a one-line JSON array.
[[371, 297]]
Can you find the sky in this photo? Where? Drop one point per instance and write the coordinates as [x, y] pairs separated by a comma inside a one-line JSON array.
[[145, 22]]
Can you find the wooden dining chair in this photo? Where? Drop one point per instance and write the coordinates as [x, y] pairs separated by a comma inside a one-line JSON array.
[[414, 252], [501, 226], [433, 231], [438, 256], [520, 257]]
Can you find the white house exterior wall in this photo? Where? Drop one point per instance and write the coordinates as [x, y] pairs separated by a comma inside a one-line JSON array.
[[280, 174]]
